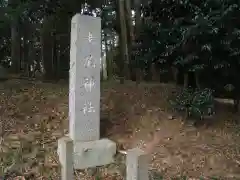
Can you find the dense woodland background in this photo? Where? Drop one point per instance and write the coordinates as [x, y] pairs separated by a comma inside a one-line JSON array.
[[163, 62], [194, 43]]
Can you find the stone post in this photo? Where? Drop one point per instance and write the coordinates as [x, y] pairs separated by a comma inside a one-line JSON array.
[[137, 163]]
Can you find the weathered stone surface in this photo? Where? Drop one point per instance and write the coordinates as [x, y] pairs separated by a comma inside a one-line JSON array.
[[91, 154], [84, 74], [66, 146], [137, 163]]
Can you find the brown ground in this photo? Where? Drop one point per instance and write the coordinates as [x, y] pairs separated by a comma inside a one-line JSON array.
[[34, 116]]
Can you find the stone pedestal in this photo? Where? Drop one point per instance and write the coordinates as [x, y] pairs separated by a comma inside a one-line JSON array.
[[89, 154]]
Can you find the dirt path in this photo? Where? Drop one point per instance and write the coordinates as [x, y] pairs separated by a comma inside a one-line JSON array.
[[34, 116]]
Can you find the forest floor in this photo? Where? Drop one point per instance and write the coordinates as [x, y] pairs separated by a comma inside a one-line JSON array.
[[35, 115]]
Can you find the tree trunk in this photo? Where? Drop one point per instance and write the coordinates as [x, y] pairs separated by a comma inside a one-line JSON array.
[[197, 80], [47, 49], [104, 67], [155, 73], [123, 43], [25, 52], [175, 74], [15, 38], [137, 5], [104, 64], [55, 65], [58, 60], [110, 57], [130, 34], [15, 46], [31, 58], [185, 80]]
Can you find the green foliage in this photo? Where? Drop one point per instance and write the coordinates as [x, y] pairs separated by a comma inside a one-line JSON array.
[[190, 34], [194, 102], [108, 16], [97, 177]]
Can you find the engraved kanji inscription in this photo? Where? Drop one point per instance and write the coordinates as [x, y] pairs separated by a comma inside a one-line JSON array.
[[89, 62], [89, 84], [84, 79], [88, 108], [90, 37]]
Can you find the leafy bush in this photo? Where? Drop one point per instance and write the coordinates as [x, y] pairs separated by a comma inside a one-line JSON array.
[[195, 103]]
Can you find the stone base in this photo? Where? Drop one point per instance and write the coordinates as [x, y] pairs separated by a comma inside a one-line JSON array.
[[90, 154]]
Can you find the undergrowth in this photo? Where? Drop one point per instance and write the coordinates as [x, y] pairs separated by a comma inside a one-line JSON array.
[[194, 103]]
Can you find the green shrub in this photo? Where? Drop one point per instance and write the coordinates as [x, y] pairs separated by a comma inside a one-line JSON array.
[[195, 103]]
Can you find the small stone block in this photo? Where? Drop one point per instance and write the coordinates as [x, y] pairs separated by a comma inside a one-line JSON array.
[[137, 163], [92, 153], [66, 146]]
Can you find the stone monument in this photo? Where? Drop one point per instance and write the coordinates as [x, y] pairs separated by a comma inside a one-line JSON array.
[[84, 97]]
